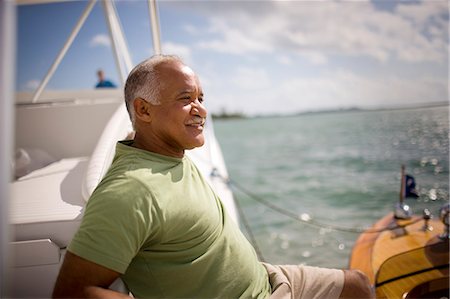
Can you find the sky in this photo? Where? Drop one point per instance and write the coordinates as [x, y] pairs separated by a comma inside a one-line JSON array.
[[258, 57]]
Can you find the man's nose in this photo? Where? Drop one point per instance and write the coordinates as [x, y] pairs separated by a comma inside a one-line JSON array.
[[198, 108]]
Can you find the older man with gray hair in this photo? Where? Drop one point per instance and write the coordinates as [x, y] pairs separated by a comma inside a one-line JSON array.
[[155, 222]]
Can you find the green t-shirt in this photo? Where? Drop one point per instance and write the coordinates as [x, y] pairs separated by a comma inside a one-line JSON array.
[[154, 219]]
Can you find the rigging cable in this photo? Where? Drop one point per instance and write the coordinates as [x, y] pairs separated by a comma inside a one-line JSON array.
[[215, 173], [249, 232], [305, 218]]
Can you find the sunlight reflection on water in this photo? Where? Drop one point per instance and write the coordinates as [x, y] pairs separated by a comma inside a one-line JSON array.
[[339, 169]]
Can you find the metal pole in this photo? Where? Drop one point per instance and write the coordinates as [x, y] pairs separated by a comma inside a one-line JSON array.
[[114, 45], [124, 51], [120, 49], [402, 185], [7, 75], [63, 51], [156, 35]]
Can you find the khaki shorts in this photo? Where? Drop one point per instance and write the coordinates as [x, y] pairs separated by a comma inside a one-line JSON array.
[[304, 282]]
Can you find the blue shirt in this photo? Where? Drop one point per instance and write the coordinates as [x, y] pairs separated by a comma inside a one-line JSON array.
[[105, 83]]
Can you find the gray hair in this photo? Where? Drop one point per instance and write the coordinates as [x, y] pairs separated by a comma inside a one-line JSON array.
[[143, 82]]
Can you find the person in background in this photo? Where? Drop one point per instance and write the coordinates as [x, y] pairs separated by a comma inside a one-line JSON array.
[[155, 222], [102, 82]]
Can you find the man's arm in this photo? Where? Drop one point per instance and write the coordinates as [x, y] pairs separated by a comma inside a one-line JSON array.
[[356, 285], [80, 278]]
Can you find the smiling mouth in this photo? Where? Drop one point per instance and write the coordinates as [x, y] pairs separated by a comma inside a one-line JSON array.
[[197, 122]]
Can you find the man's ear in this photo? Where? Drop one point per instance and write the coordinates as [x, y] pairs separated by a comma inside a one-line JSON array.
[[142, 110]]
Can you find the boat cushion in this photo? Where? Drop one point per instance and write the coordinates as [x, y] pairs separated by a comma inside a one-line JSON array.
[[47, 203], [118, 128]]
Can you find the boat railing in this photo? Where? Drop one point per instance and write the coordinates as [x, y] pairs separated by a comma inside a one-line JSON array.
[[24, 98]]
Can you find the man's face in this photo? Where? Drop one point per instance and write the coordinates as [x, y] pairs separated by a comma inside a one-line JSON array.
[[178, 121]]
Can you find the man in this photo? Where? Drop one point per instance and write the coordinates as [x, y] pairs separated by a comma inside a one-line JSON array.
[[102, 82], [155, 222]]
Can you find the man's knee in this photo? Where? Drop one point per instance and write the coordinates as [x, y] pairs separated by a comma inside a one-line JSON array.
[[356, 285]]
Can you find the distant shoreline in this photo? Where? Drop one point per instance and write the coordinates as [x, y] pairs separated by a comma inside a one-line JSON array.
[[357, 109], [226, 115], [239, 115]]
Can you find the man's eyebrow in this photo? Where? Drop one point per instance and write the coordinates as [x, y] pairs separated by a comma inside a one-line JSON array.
[[188, 91]]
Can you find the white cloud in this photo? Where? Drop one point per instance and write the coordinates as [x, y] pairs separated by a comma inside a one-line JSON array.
[[188, 28], [329, 28], [100, 40], [180, 50], [315, 57], [422, 12], [250, 78], [32, 84], [232, 39], [284, 59], [387, 57], [346, 89], [338, 89]]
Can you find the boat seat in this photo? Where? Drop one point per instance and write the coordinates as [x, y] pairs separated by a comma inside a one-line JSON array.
[[47, 207], [47, 202]]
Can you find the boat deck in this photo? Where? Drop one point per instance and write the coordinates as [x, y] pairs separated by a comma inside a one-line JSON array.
[[397, 260]]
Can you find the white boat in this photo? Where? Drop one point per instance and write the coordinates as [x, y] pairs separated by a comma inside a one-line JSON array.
[[65, 142]]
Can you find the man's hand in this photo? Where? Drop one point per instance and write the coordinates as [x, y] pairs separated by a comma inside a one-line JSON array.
[[356, 285], [80, 278]]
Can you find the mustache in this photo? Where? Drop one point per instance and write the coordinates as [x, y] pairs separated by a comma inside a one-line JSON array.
[[196, 120]]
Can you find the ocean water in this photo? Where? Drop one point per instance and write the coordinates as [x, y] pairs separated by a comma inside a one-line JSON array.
[[340, 169]]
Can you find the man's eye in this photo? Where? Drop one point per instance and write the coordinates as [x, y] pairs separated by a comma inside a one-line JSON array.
[[200, 99], [186, 98]]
